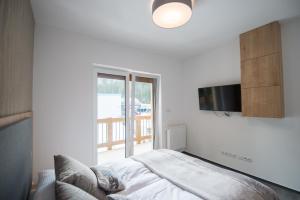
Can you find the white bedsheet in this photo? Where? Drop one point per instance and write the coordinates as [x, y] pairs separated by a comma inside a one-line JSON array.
[[142, 184]]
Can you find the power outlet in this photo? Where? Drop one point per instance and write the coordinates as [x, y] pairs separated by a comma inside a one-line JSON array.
[[231, 155], [238, 157], [246, 159]]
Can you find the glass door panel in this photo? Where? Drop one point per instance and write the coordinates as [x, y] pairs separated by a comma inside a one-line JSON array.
[[111, 117], [143, 123]]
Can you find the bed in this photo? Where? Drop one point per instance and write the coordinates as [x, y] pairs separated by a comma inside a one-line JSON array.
[[169, 175]]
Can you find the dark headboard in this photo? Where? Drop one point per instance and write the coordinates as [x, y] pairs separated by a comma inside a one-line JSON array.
[[16, 160]]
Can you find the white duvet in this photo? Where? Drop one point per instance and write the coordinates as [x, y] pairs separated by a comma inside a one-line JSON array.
[[169, 175], [142, 184]]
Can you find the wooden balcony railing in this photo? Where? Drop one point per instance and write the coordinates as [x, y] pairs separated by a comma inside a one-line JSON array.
[[111, 131]]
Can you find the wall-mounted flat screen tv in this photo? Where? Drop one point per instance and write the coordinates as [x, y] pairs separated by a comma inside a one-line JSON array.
[[220, 98]]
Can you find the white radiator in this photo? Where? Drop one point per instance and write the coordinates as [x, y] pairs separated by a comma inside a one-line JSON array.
[[176, 137]]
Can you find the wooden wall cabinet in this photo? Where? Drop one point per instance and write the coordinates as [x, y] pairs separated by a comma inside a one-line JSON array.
[[261, 72], [262, 102], [261, 41]]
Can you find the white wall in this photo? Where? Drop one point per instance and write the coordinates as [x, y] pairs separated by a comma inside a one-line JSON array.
[[273, 144], [63, 87]]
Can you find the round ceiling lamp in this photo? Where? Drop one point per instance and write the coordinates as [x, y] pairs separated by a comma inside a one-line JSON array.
[[171, 13]]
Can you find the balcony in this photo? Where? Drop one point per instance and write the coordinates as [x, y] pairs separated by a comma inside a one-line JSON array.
[[111, 137]]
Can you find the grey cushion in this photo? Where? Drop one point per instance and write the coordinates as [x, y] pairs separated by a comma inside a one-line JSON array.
[[65, 191], [107, 180], [46, 186], [71, 171]]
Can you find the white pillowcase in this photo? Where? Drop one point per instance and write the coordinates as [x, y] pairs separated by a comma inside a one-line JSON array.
[[46, 186]]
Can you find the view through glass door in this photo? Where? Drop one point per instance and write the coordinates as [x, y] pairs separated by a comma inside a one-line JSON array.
[[118, 135], [143, 123]]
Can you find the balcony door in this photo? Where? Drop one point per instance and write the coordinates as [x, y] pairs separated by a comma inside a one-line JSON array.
[[125, 114]]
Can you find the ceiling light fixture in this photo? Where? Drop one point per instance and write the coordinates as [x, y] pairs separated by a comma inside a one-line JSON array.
[[171, 13]]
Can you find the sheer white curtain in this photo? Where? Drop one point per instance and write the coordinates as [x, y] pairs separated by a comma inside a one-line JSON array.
[[157, 130]]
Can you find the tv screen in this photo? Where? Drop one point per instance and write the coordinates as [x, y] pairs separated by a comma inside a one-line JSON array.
[[220, 98]]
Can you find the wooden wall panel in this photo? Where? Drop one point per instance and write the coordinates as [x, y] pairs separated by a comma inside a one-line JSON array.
[[262, 102], [262, 71], [16, 56], [261, 41]]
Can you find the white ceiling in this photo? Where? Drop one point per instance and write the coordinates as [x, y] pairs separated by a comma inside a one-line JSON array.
[[129, 22]]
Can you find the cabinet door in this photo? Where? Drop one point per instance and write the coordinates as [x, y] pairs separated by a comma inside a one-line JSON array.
[[262, 41], [262, 102], [262, 71]]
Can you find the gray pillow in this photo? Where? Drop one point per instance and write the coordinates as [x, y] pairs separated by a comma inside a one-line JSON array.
[[65, 191], [107, 180], [71, 171]]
